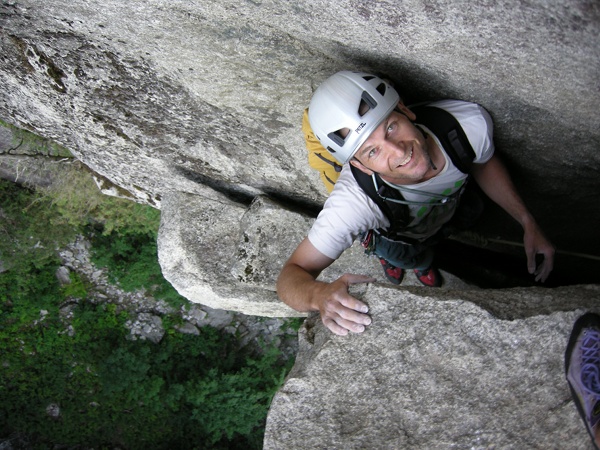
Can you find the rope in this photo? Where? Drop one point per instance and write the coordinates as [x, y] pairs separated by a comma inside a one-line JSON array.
[[484, 242]]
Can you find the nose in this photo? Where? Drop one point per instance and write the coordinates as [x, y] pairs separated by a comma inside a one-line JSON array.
[[396, 150]]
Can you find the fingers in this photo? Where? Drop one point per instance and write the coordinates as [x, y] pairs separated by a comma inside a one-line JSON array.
[[334, 327], [542, 273], [342, 313], [347, 314], [543, 270], [537, 244], [530, 260], [342, 327]]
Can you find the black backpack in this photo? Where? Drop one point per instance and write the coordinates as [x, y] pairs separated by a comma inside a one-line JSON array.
[[454, 140]]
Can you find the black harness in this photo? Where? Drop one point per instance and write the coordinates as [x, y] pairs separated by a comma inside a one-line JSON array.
[[455, 143]]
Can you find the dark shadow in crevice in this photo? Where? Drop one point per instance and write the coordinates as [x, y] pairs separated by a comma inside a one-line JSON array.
[[230, 190], [495, 270], [236, 193], [294, 203]]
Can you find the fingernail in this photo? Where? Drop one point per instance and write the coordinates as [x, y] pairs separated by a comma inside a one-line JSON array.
[[364, 309]]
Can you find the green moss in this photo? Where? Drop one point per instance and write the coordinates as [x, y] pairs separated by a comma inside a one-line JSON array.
[[77, 288], [32, 144]]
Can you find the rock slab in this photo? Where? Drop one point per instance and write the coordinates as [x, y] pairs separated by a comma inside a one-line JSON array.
[[434, 371]]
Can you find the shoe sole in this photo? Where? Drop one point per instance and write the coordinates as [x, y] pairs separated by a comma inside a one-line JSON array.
[[588, 320]]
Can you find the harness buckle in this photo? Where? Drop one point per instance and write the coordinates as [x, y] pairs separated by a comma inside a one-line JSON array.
[[367, 241]]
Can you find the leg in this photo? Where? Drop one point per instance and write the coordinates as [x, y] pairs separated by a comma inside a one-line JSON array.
[[395, 257]]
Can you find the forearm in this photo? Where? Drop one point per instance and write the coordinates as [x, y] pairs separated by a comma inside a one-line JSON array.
[[495, 181], [296, 287]]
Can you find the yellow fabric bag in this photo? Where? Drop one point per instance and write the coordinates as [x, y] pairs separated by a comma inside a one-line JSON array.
[[319, 158]]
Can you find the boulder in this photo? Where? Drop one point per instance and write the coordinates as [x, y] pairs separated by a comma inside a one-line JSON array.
[[437, 369], [225, 256]]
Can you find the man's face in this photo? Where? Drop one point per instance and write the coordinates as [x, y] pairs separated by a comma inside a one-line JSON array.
[[397, 151]]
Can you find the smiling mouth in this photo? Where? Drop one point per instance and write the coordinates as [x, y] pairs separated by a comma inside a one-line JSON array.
[[407, 159]]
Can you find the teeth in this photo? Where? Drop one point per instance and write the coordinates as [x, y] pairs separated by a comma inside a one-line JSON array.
[[407, 159]]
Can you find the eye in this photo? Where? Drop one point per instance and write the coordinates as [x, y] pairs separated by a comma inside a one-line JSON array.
[[372, 153], [391, 128]]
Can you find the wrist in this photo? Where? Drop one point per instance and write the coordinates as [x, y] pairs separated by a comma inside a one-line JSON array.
[[528, 222], [315, 295]]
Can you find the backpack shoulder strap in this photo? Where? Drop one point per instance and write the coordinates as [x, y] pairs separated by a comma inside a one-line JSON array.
[[447, 129], [397, 214]]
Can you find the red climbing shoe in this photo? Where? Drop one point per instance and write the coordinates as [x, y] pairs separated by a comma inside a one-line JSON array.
[[392, 273], [429, 277]]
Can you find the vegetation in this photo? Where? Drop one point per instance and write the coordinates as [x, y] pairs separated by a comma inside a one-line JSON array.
[[132, 259], [186, 392], [28, 143], [59, 352]]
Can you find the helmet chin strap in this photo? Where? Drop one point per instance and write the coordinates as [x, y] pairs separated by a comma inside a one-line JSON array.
[[426, 136]]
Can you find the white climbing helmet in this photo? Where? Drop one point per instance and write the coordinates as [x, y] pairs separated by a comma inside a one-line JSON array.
[[336, 107]]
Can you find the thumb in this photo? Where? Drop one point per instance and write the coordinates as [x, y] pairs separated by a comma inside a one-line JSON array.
[[351, 278], [531, 265]]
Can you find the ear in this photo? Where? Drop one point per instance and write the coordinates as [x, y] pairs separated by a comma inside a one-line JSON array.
[[360, 166], [407, 112]]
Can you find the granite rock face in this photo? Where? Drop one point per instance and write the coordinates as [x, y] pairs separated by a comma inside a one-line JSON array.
[[177, 96], [206, 97], [436, 371], [194, 107]]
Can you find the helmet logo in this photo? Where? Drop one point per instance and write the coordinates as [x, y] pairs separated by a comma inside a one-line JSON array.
[[360, 127]]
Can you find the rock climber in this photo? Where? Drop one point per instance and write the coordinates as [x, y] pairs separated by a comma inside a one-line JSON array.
[[401, 188]]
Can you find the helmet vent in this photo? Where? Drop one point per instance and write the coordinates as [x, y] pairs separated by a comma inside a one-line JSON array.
[[367, 103], [381, 88], [337, 137]]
